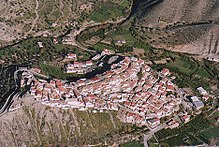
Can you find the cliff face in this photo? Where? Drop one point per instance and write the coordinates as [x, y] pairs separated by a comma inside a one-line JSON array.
[[190, 26]]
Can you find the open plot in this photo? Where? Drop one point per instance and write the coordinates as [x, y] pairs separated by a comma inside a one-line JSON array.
[[102, 46], [183, 65], [126, 36]]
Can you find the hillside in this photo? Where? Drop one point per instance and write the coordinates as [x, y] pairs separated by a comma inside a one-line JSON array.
[[189, 26], [171, 11], [23, 18], [44, 126]]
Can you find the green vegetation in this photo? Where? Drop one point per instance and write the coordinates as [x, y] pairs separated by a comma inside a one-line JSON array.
[[213, 116], [101, 46], [57, 72], [53, 71], [188, 71], [191, 133], [88, 34], [122, 33], [48, 57], [29, 51], [107, 11], [140, 44], [212, 132], [152, 142], [110, 36], [187, 66]]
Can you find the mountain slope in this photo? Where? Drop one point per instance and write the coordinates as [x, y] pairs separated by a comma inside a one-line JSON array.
[[170, 11], [189, 26], [23, 18]]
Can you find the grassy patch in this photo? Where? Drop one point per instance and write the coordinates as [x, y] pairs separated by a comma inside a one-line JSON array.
[[53, 71], [188, 134], [188, 71], [183, 65], [29, 51], [124, 35], [47, 8], [213, 117], [107, 11], [102, 46], [54, 16], [56, 72], [125, 3], [211, 133], [152, 142]]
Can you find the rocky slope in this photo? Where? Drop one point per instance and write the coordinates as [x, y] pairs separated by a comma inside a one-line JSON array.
[[189, 26], [170, 11], [38, 125]]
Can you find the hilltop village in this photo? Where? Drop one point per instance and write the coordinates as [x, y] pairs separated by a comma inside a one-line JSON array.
[[141, 95]]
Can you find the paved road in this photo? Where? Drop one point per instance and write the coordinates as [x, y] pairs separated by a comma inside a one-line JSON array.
[[11, 96], [9, 100], [150, 134], [15, 93]]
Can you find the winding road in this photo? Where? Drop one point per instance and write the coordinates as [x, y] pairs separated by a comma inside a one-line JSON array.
[[15, 93], [35, 20], [37, 15]]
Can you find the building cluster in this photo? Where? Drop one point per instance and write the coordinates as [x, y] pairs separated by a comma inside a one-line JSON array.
[[185, 118], [71, 57], [173, 124], [80, 67], [83, 67], [77, 67], [204, 94], [153, 97], [198, 104], [142, 95]]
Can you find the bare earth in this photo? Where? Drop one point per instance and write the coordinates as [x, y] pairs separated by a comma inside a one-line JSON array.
[[42, 125], [189, 26]]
